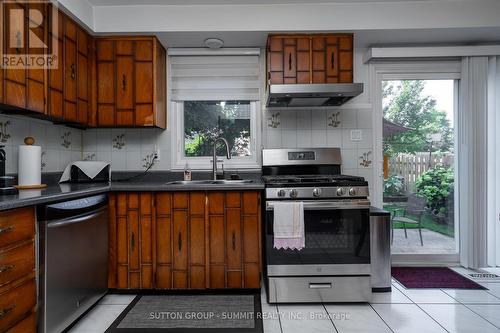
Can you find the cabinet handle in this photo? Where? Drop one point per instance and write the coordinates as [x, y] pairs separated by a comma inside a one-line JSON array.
[[6, 229], [124, 82], [234, 242], [132, 241], [73, 71], [332, 59], [6, 311], [4, 269], [290, 61], [179, 243]]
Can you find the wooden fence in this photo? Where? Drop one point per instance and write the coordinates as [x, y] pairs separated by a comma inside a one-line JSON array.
[[411, 167]]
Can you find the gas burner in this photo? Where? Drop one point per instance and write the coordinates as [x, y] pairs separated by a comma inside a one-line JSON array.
[[304, 180]]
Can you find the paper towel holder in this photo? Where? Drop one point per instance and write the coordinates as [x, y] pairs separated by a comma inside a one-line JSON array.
[[29, 141]]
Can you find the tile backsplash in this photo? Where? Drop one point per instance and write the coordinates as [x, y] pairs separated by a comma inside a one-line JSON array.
[[349, 129], [132, 149], [60, 144], [127, 149]]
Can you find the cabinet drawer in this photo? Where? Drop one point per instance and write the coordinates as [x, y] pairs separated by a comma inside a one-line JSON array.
[[16, 225], [27, 325], [17, 262], [16, 303]]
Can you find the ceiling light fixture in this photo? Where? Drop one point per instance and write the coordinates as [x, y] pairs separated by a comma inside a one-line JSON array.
[[214, 43]]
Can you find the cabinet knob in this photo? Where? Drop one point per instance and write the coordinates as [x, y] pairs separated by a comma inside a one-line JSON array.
[[332, 60], [179, 243], [290, 61], [234, 242], [73, 71]]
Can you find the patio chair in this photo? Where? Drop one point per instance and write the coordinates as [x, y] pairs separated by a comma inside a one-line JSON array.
[[415, 206]]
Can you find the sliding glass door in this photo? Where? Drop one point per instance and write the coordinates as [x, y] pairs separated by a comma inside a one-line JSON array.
[[418, 129]]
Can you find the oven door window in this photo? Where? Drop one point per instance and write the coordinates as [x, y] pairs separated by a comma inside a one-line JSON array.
[[340, 236]]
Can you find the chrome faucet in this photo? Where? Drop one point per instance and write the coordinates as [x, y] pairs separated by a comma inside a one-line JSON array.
[[214, 165]]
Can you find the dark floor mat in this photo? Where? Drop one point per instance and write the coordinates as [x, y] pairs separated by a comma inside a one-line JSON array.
[[191, 313], [432, 277]]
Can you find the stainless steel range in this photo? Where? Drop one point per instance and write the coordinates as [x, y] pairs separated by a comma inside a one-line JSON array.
[[334, 265]]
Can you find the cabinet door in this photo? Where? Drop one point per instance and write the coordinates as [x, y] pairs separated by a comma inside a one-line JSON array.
[[275, 60], [345, 59], [105, 83], [36, 79], [56, 79], [84, 41], [251, 239], [15, 79], [134, 241], [70, 73], [124, 91], [233, 240], [217, 244], [290, 60], [144, 83], [303, 60], [163, 278], [180, 205], [197, 273]]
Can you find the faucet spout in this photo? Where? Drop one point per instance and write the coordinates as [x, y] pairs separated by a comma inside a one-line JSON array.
[[214, 161]]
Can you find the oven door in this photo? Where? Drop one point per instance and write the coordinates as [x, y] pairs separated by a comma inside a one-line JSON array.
[[337, 240]]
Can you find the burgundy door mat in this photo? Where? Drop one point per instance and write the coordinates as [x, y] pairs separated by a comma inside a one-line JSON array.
[[432, 277]]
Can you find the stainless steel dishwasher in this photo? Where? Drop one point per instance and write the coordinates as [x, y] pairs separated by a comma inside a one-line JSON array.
[[73, 252]]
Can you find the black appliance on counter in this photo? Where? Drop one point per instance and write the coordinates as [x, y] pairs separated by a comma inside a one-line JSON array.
[[334, 265], [6, 182]]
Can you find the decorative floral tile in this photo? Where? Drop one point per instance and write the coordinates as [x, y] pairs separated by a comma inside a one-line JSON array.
[[274, 120], [66, 139], [334, 119], [4, 134], [149, 160], [365, 159], [119, 141]]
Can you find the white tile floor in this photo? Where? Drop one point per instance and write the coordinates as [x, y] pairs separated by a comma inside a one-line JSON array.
[[403, 310]]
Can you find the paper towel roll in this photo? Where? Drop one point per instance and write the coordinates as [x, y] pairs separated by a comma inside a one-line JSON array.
[[30, 165]]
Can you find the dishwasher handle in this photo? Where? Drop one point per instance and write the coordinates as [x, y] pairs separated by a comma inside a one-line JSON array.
[[77, 219]]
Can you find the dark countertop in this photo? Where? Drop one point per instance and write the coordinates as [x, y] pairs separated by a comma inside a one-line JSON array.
[[155, 182]]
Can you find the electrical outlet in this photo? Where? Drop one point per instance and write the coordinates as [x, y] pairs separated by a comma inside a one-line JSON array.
[[356, 135]]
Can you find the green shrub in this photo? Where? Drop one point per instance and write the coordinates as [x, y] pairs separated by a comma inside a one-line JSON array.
[[393, 185], [436, 185]]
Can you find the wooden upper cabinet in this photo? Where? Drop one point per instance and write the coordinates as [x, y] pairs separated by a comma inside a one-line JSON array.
[[302, 59], [134, 94]]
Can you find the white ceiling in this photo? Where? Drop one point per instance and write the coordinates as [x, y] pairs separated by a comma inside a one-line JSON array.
[[229, 2]]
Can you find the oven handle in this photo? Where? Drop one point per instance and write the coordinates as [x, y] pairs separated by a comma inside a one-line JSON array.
[[331, 205]]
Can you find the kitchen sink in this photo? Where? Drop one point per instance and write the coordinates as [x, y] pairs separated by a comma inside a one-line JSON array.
[[210, 182]]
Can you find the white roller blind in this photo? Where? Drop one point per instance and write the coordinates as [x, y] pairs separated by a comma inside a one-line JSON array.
[[214, 77]]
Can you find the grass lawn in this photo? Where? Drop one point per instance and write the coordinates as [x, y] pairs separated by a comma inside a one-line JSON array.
[[427, 222]]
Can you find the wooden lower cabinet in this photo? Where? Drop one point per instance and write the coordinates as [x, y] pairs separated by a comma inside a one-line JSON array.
[[17, 270], [196, 240]]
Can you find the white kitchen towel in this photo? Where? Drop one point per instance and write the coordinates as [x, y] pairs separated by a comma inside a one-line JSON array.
[[289, 225], [90, 168]]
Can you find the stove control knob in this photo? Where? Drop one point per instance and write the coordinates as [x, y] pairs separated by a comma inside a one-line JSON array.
[[352, 191], [293, 193], [281, 193], [317, 192], [340, 191]]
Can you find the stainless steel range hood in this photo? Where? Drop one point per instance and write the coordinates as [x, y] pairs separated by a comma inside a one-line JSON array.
[[312, 95]]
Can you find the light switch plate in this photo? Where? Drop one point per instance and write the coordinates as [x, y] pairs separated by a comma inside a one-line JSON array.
[[356, 135]]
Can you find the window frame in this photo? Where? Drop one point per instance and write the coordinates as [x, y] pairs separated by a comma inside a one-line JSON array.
[[179, 159]]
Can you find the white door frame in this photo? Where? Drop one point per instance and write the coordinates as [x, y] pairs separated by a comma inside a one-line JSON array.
[[408, 70]]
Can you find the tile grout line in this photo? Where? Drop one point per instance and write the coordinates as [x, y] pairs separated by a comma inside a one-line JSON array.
[[433, 317], [481, 315], [378, 314], [330, 317]]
